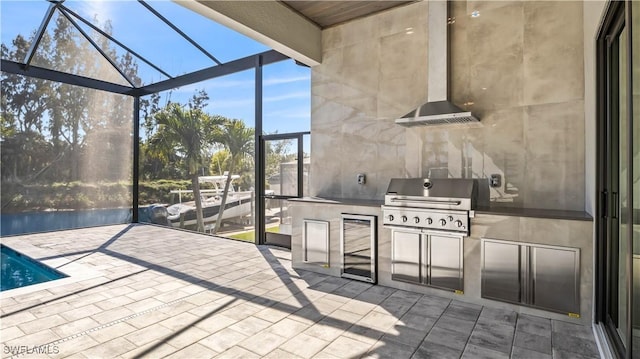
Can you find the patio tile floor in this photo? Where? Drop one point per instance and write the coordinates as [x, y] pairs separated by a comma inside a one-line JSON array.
[[156, 292]]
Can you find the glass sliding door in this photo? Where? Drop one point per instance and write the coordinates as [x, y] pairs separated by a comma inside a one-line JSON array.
[[621, 216], [619, 165], [635, 118]]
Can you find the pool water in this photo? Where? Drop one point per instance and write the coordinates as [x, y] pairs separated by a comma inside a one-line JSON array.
[[19, 270]]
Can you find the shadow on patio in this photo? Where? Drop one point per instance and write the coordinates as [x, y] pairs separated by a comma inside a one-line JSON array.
[[172, 293]]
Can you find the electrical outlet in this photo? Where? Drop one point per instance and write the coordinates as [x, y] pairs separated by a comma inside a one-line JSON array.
[[362, 178], [495, 180]]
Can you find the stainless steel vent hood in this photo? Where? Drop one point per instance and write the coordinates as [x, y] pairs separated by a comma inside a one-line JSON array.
[[438, 109]]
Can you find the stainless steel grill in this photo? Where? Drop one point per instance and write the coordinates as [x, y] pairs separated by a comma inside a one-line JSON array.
[[442, 204]]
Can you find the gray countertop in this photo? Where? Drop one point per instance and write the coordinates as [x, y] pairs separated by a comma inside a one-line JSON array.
[[536, 213], [493, 210], [340, 201]]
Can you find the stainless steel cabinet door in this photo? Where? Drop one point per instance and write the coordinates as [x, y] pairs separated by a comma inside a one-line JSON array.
[[636, 290], [315, 242], [445, 262], [405, 255], [501, 271], [555, 277]]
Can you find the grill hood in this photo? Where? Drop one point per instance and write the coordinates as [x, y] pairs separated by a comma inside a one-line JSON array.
[[438, 110], [436, 113]]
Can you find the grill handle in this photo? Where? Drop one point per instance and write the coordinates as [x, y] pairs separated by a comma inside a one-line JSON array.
[[431, 201]]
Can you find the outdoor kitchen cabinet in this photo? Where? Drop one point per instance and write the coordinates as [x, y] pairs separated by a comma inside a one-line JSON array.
[[501, 271], [405, 255], [636, 287], [445, 258], [541, 276], [315, 242], [427, 258]]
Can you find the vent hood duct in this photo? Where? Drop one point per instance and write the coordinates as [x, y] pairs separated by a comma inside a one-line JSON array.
[[437, 110]]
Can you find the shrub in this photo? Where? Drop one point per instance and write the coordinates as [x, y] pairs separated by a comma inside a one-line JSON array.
[[17, 197]]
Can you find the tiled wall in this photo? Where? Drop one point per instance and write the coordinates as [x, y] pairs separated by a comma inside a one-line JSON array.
[[518, 66]]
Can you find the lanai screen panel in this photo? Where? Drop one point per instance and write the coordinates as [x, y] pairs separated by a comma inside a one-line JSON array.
[[66, 156]]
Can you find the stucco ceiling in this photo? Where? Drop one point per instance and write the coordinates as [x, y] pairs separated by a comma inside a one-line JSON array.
[[329, 13]]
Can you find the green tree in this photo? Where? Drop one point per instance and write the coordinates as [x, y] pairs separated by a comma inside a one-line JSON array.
[[187, 132], [149, 106], [25, 98], [155, 163], [72, 120], [25, 103], [277, 152], [220, 161], [237, 138]]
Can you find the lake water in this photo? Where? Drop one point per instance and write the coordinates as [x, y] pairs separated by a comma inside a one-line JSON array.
[[32, 222]]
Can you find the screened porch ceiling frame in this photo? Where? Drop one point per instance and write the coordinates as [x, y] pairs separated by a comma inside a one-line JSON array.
[[25, 68], [256, 62]]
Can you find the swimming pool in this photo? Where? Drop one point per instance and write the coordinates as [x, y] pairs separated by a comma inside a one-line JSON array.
[[19, 270]]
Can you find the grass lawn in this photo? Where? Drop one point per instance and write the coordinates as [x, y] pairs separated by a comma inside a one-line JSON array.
[[245, 236], [249, 236]]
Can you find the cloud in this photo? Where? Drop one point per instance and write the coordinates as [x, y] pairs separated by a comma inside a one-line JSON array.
[[211, 85], [188, 89], [287, 96], [285, 80], [297, 113], [230, 103], [229, 83], [184, 93]]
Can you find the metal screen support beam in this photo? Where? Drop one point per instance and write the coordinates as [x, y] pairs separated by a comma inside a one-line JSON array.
[[243, 64], [136, 159], [231, 67], [97, 47], [176, 29], [114, 40], [38, 36], [259, 158], [300, 166], [17, 68]]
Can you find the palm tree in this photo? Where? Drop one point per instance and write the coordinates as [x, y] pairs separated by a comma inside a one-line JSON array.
[[237, 138], [187, 132]]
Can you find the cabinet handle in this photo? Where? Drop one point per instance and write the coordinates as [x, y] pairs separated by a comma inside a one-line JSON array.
[[524, 281], [614, 205], [527, 281]]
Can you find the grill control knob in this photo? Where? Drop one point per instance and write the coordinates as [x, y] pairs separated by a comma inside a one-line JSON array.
[[391, 218], [443, 222], [450, 218], [429, 220], [404, 219], [458, 223], [416, 219]]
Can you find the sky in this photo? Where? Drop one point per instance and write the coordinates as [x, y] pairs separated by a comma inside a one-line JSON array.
[[286, 91]]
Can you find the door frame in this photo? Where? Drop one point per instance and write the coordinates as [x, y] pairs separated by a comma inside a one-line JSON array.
[[617, 17], [262, 236]]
